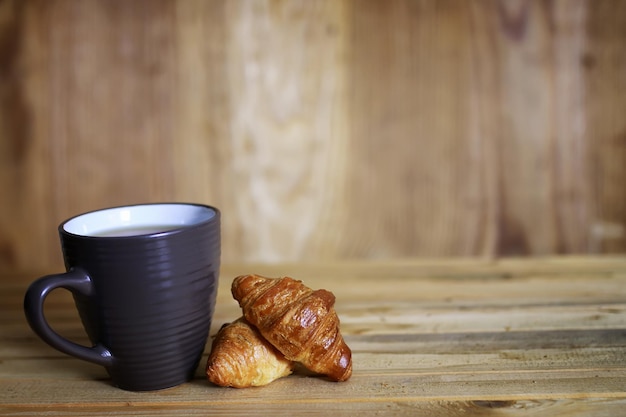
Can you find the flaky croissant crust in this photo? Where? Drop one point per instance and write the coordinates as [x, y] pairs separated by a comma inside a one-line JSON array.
[[301, 323], [240, 357]]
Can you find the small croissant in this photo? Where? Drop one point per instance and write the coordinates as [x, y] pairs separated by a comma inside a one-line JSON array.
[[301, 323], [240, 357]]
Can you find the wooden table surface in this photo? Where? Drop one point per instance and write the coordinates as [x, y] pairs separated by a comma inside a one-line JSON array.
[[538, 337]]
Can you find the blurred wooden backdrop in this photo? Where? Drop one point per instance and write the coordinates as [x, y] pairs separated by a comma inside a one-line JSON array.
[[323, 129]]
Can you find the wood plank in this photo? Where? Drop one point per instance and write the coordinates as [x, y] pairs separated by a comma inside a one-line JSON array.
[[25, 163], [600, 407], [287, 132], [410, 71], [449, 353], [401, 386], [604, 62], [389, 318], [529, 86]]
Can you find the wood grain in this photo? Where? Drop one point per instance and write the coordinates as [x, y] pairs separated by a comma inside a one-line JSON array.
[[324, 130], [603, 59], [458, 337]]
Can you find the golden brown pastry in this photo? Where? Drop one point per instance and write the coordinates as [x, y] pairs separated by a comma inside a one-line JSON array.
[[240, 357], [299, 322]]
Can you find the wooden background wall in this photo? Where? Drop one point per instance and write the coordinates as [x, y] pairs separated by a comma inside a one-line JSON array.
[[323, 129]]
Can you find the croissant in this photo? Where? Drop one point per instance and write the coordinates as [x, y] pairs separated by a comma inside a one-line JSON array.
[[240, 357], [301, 323]]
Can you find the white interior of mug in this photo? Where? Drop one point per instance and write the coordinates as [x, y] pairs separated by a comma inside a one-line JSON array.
[[138, 220]]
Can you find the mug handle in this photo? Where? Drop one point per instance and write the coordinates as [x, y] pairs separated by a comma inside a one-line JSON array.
[[74, 280]]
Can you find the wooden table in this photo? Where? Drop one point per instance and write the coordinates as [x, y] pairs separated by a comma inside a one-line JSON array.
[[540, 337]]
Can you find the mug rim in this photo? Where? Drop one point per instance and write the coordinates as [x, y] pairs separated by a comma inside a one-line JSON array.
[[212, 214]]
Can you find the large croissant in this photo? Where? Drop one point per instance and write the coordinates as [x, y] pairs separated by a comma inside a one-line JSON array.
[[241, 358], [301, 323]]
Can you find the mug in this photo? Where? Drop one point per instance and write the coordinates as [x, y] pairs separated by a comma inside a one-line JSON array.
[[144, 280]]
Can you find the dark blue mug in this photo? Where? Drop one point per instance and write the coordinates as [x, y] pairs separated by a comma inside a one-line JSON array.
[[144, 279]]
